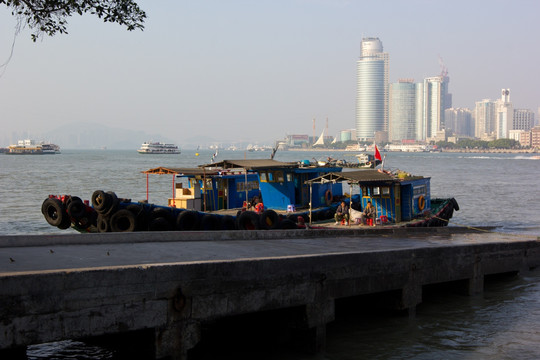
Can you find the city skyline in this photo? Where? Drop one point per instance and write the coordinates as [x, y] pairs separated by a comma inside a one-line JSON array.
[[241, 71]]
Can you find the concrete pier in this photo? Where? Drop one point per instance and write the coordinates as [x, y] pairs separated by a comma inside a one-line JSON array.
[[172, 283]]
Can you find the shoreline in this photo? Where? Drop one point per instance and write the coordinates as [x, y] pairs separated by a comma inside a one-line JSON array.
[[492, 151]]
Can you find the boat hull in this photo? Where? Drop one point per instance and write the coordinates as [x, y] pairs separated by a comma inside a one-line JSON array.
[[109, 213]]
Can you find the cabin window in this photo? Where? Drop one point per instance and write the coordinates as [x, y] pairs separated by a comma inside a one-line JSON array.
[[289, 177], [240, 186], [420, 190], [385, 190], [376, 190], [251, 185], [364, 190], [271, 177], [279, 176], [263, 176]]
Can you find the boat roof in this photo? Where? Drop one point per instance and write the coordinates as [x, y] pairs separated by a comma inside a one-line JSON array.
[[180, 171], [251, 164], [354, 177]]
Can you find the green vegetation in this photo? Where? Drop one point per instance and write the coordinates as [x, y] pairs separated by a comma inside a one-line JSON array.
[[480, 144], [49, 16]]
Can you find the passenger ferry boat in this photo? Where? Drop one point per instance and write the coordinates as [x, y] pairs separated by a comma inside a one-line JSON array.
[[31, 147], [158, 148]]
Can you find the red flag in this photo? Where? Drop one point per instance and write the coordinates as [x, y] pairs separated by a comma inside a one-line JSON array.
[[377, 154]]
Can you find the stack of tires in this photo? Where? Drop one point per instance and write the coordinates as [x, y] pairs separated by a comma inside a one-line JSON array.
[[267, 220], [120, 215], [66, 211]]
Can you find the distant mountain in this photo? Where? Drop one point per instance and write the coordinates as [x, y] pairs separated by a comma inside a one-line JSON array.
[[96, 136]]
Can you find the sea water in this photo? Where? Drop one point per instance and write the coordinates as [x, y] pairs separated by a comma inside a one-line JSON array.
[[500, 190]]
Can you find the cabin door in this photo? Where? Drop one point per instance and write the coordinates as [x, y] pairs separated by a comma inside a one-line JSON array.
[[301, 190], [221, 193]]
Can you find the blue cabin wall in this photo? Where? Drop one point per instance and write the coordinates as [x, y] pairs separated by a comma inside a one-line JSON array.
[[382, 196], [283, 187], [411, 191]]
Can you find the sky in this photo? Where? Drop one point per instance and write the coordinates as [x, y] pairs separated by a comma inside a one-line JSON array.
[[258, 70]]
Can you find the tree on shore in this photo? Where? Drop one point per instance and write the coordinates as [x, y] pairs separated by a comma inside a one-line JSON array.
[[50, 16]]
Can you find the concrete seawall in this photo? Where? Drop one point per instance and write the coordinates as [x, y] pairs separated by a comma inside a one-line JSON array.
[[75, 286]]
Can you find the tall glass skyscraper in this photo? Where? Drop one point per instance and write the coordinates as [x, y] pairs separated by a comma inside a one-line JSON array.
[[403, 116], [436, 100], [372, 89]]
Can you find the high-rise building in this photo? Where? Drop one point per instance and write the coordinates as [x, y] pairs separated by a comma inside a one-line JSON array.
[[403, 114], [523, 119], [459, 121], [372, 89], [435, 100], [484, 119], [504, 116]]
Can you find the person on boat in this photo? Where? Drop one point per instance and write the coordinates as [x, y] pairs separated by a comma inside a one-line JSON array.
[[259, 206], [369, 212], [342, 213]]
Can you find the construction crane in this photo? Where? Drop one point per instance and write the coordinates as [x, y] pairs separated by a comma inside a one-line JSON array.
[[444, 69]]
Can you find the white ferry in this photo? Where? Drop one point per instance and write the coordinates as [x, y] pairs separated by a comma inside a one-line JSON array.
[[32, 147], [158, 148]]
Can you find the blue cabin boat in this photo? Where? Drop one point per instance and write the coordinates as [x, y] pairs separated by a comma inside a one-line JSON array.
[[398, 198], [279, 184], [231, 184]]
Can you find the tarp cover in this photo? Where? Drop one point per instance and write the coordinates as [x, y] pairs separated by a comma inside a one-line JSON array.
[[250, 164], [354, 177]]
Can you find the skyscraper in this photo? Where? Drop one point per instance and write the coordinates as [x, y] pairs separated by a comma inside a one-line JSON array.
[[403, 110], [372, 89], [523, 119], [505, 114], [435, 102], [484, 119], [459, 121]]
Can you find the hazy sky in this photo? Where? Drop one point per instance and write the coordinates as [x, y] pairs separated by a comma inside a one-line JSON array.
[[259, 70]]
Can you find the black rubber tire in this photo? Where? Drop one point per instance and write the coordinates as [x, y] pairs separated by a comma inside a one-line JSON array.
[[103, 224], [65, 224], [248, 220], [287, 224], [123, 221], [293, 217], [269, 219], [101, 201], [141, 217], [114, 204], [54, 211], [228, 222], [210, 222], [162, 212], [187, 220], [160, 224], [76, 208], [70, 198]]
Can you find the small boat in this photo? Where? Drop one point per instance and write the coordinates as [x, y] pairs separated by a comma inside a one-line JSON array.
[[367, 161], [223, 195], [158, 148]]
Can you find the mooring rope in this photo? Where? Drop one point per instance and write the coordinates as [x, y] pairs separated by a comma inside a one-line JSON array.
[[485, 230]]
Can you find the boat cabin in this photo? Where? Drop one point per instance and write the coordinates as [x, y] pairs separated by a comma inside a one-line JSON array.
[[230, 184], [399, 198]]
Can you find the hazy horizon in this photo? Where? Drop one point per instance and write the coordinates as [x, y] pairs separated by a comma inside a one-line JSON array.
[[256, 71]]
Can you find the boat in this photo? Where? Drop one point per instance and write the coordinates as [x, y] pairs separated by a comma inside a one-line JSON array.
[[285, 195], [367, 161], [150, 147], [32, 147]]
